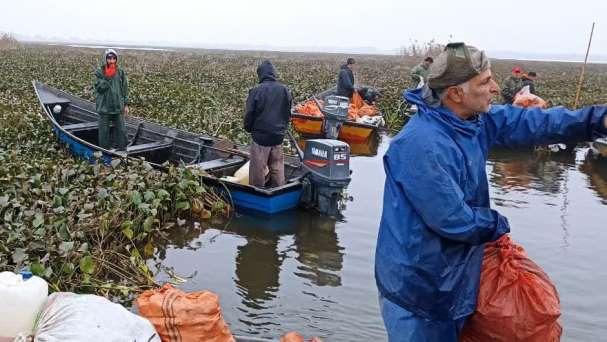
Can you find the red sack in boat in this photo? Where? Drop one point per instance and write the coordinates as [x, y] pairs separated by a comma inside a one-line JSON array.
[[516, 301]]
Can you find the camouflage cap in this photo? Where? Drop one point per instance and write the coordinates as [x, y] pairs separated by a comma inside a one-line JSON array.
[[457, 64]]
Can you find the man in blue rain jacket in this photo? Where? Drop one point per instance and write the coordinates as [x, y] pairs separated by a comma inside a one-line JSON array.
[[437, 215]]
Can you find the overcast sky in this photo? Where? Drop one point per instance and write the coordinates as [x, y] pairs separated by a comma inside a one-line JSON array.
[[529, 27]]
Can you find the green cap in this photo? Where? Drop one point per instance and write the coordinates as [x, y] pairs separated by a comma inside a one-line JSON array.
[[457, 64]]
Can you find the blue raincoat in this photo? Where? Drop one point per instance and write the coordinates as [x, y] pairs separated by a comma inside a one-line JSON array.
[[436, 214]]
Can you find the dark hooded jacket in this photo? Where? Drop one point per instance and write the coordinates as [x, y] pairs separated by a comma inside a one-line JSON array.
[[345, 82], [529, 82], [111, 93], [268, 108]]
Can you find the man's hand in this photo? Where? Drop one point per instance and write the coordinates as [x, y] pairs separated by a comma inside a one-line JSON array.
[[605, 121], [126, 110]]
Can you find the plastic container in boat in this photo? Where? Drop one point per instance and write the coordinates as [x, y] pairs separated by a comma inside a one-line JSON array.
[[242, 174], [230, 179], [21, 298]]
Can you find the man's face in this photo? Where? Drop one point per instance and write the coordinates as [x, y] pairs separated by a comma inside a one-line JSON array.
[[110, 59], [427, 64], [517, 74], [350, 66], [480, 92]]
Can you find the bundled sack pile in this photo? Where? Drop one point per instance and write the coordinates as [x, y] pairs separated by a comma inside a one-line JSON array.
[[517, 301], [361, 105], [309, 108], [359, 108]]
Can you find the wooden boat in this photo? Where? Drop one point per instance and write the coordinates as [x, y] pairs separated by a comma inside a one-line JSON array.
[[75, 123], [350, 132]]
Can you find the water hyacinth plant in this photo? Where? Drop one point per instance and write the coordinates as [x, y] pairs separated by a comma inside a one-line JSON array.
[[89, 227]]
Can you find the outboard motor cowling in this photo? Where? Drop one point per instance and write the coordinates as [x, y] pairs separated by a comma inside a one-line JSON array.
[[336, 113], [327, 163]]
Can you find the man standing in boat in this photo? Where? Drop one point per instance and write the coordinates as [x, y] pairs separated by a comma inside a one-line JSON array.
[[512, 84], [345, 80], [267, 117], [437, 215], [111, 99], [419, 73]]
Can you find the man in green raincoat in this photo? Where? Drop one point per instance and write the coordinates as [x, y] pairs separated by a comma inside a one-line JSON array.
[[111, 99]]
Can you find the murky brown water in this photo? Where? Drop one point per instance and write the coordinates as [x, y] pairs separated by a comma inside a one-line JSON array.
[[300, 271]]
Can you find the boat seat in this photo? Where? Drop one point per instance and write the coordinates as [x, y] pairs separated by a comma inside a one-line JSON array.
[[152, 146], [83, 126], [221, 163]]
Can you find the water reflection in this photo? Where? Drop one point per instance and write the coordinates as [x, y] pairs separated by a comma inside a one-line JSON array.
[[539, 173], [259, 260], [596, 170], [318, 251], [524, 169], [180, 237]]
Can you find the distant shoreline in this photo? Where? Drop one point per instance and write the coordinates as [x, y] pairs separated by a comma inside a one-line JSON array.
[[173, 49], [110, 46]]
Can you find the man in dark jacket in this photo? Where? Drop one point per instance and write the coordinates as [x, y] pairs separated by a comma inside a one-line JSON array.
[[437, 213], [267, 117], [419, 73], [529, 80], [345, 80], [111, 99]]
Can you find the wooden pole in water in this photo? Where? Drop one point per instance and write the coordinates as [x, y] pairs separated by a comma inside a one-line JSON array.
[[579, 86]]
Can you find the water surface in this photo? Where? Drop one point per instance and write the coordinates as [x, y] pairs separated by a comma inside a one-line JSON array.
[[313, 274]]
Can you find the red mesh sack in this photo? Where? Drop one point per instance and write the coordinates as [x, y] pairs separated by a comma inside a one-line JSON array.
[[516, 300]]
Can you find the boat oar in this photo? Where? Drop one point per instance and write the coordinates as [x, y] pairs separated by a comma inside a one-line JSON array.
[[579, 86], [229, 150]]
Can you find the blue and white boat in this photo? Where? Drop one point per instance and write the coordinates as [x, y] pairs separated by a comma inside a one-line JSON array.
[[75, 123]]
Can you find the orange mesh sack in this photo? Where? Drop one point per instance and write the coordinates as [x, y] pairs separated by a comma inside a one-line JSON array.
[[181, 317], [368, 110], [358, 108], [294, 336], [355, 103], [516, 301], [309, 108], [357, 100]]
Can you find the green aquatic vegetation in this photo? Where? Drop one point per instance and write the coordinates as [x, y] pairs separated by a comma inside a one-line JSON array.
[[92, 228]]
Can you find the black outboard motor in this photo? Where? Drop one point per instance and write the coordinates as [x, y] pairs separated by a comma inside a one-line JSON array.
[[328, 164], [335, 112]]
